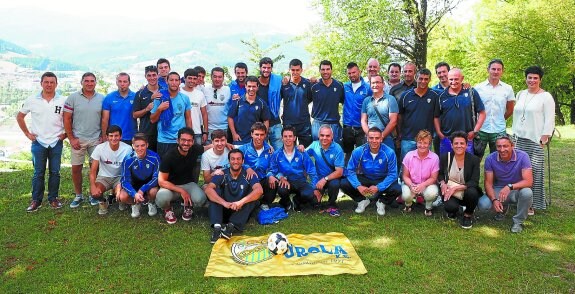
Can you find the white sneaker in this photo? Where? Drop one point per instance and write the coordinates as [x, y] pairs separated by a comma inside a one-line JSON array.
[[152, 209], [103, 208], [380, 208], [438, 202], [362, 205], [122, 206], [136, 210], [264, 207]]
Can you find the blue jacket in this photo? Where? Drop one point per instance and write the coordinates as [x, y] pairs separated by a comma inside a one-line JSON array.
[[383, 168], [296, 170], [260, 164], [236, 89], [141, 171], [274, 96], [352, 102]]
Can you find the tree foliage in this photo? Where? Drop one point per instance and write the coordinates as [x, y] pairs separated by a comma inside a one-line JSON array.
[[384, 29], [535, 32]]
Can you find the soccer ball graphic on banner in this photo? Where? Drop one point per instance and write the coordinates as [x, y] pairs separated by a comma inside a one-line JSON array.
[[278, 243]]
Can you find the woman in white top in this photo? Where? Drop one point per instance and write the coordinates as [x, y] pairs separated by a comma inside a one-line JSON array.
[[533, 124]]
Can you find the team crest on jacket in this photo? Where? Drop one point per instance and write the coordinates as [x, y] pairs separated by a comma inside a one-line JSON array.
[[296, 159], [257, 107], [465, 94], [335, 89], [147, 165], [428, 100], [331, 156], [380, 161]]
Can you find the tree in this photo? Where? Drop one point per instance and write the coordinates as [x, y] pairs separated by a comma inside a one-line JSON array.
[[535, 32], [256, 52], [384, 29]]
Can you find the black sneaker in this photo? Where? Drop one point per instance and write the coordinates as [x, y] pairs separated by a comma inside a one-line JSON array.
[[216, 234], [227, 231], [467, 222], [295, 205]]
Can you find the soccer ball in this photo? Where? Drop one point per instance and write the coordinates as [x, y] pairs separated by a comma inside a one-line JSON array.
[[278, 243]]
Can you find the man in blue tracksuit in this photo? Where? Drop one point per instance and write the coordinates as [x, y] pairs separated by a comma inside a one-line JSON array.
[[257, 156], [269, 90], [289, 171], [329, 163], [372, 171], [296, 96], [140, 176], [355, 92]]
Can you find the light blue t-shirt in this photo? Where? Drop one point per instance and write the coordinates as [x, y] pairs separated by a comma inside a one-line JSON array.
[[180, 104], [386, 105]]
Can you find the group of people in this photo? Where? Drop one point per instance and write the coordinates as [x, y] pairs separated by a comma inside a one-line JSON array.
[[255, 139]]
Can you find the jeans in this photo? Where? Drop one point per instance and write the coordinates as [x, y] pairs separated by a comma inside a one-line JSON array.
[[40, 155], [335, 127], [523, 198], [303, 133], [275, 136], [406, 146]]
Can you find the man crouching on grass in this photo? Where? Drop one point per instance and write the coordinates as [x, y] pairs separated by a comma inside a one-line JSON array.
[[106, 168], [140, 177], [232, 197]]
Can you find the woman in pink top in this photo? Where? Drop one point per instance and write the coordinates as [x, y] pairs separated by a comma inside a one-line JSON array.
[[420, 170]]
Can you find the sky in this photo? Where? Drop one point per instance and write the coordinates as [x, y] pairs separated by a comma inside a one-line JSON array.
[[293, 16]]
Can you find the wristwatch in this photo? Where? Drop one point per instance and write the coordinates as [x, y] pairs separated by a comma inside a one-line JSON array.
[[326, 178], [510, 186]]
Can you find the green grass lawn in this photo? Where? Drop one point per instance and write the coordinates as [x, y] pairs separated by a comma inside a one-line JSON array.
[[79, 251]]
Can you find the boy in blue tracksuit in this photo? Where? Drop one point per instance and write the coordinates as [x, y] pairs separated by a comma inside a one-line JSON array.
[[372, 171], [289, 171], [140, 176]]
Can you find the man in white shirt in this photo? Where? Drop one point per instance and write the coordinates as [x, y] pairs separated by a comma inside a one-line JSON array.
[[106, 168], [199, 113], [46, 134], [499, 101], [217, 100]]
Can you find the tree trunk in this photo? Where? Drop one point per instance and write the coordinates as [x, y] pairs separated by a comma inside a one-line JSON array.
[[559, 117], [572, 107]]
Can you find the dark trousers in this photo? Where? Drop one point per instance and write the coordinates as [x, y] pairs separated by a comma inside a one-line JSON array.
[[303, 193], [219, 215], [470, 199], [352, 137], [387, 196], [269, 193], [303, 132], [163, 148], [332, 188]]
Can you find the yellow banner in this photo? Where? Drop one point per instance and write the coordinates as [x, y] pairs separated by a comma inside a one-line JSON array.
[[314, 254]]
